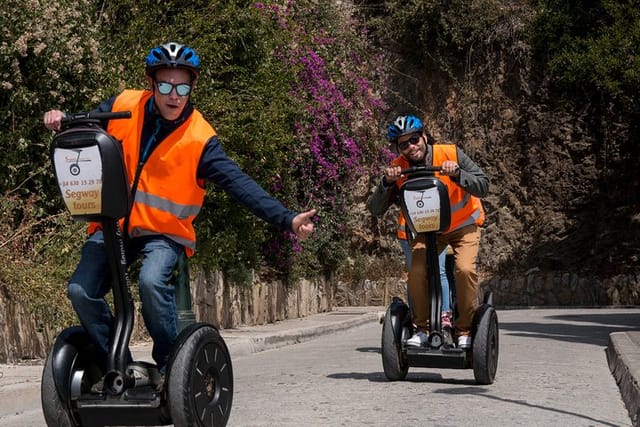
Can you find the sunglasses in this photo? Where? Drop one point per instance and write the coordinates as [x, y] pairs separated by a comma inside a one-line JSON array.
[[413, 141], [165, 88]]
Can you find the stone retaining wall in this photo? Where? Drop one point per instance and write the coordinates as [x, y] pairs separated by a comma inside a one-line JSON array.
[[19, 337], [226, 306], [564, 289], [213, 300], [534, 289]]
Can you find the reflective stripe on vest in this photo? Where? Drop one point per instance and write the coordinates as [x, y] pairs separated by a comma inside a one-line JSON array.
[[402, 231], [465, 208], [168, 196], [176, 209]]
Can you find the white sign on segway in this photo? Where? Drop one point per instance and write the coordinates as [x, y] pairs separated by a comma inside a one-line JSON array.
[[423, 207], [79, 173]]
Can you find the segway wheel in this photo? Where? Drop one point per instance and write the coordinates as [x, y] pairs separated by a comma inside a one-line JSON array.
[[485, 348], [200, 389], [394, 362], [56, 412]]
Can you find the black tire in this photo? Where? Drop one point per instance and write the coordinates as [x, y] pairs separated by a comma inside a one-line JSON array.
[[56, 412], [200, 389], [486, 347], [393, 361]]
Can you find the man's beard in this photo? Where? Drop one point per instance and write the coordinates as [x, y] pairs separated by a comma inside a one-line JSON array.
[[420, 162]]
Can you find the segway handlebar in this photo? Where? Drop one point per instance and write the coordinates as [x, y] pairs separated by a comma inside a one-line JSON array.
[[418, 169], [97, 115], [75, 119]]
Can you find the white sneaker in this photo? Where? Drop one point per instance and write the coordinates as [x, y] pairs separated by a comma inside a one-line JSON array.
[[464, 341], [419, 339]]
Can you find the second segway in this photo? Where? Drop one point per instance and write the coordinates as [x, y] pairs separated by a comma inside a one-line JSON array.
[[425, 205]]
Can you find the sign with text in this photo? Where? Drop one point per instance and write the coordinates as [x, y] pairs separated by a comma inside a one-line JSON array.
[[79, 173], [423, 208]]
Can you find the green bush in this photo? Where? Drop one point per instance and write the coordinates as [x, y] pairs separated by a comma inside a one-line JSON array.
[[39, 252], [265, 103], [49, 58], [256, 89], [591, 48]]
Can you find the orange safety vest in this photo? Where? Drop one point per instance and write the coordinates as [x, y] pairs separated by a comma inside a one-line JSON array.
[[168, 196], [465, 208]]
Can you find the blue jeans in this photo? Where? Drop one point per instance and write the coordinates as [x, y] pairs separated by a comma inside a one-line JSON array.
[[444, 280], [91, 281]]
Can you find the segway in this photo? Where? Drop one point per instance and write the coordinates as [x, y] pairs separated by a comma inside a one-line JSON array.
[[198, 387], [425, 205]]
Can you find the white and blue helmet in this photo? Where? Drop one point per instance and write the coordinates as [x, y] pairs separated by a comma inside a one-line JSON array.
[[172, 55], [403, 125]]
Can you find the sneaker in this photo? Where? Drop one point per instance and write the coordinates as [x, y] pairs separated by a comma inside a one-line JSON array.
[[445, 320], [419, 339], [98, 387], [139, 373], [464, 341]]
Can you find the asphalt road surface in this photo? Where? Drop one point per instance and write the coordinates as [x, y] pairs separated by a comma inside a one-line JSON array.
[[552, 371]]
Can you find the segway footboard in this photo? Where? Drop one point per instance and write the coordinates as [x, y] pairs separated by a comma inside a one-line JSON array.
[[124, 410], [442, 358]]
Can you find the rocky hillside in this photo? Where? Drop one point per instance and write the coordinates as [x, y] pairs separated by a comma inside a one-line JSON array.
[[564, 195]]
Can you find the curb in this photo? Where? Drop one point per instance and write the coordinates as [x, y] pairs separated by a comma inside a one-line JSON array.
[[246, 346], [623, 356]]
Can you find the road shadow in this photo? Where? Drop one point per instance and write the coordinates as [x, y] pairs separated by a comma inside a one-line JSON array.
[[374, 377], [480, 391], [412, 377], [468, 387], [596, 332], [368, 349]]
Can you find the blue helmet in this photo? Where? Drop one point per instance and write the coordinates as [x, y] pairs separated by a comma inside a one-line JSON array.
[[172, 55], [403, 125]]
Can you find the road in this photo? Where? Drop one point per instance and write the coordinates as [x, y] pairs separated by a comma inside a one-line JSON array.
[[552, 372]]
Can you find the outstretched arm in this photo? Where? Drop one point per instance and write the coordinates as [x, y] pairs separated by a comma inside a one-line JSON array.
[[217, 167]]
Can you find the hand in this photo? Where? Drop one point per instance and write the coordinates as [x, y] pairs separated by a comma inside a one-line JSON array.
[[450, 168], [53, 119], [302, 225], [392, 174]]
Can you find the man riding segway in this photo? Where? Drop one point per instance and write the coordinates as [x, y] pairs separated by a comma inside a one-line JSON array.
[[466, 184]]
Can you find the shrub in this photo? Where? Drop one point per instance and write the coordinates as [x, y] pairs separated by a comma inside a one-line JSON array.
[[591, 49], [48, 59]]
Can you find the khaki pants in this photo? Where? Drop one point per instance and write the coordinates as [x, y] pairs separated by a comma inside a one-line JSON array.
[[465, 244]]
